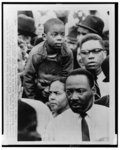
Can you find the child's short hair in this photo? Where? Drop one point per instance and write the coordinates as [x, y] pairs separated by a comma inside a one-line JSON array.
[[52, 22]]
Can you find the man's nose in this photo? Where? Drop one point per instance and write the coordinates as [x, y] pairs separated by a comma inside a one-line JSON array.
[[91, 55], [52, 97], [74, 95], [46, 89], [59, 37]]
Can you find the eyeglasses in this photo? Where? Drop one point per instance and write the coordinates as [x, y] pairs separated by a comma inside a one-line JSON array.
[[94, 51]]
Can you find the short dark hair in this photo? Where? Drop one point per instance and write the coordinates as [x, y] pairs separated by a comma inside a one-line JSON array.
[[49, 67], [91, 36], [83, 72], [52, 22]]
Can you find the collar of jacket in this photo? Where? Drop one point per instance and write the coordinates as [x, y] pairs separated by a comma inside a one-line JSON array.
[[63, 52]]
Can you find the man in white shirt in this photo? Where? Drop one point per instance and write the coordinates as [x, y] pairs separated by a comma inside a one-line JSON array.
[[85, 121]]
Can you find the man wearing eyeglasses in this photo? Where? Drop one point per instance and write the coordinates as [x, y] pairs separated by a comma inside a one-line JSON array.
[[92, 53]]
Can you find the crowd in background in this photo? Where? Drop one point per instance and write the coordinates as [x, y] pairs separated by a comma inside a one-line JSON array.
[[44, 67]]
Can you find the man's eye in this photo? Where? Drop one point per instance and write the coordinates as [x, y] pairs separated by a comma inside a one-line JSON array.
[[54, 34], [84, 53], [80, 90], [97, 50], [63, 34], [57, 93], [69, 92]]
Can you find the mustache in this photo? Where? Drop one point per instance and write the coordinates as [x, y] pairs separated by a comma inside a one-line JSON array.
[[75, 101]]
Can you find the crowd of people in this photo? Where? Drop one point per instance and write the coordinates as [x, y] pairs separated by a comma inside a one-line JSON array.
[[63, 79]]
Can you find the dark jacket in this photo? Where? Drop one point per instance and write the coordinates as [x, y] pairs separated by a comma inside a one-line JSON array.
[[36, 57], [103, 101]]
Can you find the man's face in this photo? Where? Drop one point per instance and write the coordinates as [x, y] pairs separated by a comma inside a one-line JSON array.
[[79, 93], [57, 97], [55, 36], [44, 83], [82, 32], [72, 45], [92, 54]]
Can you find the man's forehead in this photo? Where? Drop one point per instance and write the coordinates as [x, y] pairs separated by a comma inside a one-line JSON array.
[[57, 85], [77, 82], [91, 44], [57, 28], [76, 79]]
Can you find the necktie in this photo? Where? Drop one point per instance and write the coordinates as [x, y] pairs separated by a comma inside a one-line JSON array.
[[85, 129], [98, 94]]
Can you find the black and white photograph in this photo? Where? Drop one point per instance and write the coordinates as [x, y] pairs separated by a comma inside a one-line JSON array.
[[59, 74]]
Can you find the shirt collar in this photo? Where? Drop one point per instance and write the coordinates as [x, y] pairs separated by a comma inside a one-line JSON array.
[[62, 52], [101, 76]]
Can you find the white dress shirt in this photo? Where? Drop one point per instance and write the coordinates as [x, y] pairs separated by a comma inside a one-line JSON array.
[[103, 86], [66, 128]]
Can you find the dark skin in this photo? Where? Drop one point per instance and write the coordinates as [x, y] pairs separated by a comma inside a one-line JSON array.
[[79, 93], [43, 85], [55, 38]]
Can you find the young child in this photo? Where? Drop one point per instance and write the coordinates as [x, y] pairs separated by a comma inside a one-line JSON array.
[[52, 49]]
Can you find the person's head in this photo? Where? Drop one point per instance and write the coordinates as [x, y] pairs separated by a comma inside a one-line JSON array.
[[26, 25], [57, 96], [92, 52], [48, 72], [26, 32], [20, 61], [54, 30], [91, 24], [27, 123], [80, 90], [72, 38]]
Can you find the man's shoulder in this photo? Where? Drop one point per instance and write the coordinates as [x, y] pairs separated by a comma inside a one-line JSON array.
[[66, 51], [66, 115], [100, 110], [38, 49]]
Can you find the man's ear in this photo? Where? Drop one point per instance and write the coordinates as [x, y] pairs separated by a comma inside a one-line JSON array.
[[94, 90], [44, 36], [104, 54]]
